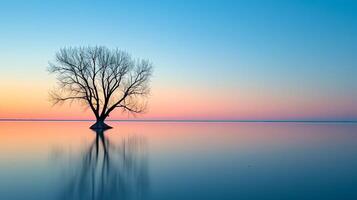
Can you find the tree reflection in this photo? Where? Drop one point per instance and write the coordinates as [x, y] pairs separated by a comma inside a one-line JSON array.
[[106, 170]]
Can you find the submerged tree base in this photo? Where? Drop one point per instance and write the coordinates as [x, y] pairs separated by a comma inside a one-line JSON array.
[[100, 126]]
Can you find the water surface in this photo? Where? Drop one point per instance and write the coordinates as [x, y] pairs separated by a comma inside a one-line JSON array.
[[66, 160]]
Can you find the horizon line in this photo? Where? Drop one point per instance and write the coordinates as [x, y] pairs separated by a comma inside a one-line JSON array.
[[176, 120]]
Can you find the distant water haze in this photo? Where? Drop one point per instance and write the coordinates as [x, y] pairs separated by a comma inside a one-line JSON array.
[[66, 160]]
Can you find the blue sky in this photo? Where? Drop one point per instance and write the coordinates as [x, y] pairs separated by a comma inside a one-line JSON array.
[[291, 49]]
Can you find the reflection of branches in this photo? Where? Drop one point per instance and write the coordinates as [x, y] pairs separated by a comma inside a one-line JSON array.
[[109, 171]]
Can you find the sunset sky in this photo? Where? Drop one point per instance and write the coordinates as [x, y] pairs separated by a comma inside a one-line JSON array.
[[216, 60]]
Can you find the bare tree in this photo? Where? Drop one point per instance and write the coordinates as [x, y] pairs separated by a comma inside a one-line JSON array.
[[101, 79]]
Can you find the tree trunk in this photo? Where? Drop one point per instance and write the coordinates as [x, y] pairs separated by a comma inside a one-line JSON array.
[[100, 125]]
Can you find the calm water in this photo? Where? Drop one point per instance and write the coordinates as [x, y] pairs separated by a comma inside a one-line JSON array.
[[169, 161]]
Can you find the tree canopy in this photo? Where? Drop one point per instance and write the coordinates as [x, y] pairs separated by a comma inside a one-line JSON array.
[[102, 79]]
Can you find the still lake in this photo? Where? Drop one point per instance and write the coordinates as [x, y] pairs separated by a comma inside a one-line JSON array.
[[169, 161]]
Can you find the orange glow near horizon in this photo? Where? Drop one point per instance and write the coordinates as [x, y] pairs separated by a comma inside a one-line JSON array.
[[30, 101]]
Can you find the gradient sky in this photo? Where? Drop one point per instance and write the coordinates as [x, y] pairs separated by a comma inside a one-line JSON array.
[[243, 60]]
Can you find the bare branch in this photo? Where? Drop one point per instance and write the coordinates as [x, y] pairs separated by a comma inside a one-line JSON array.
[[103, 79]]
